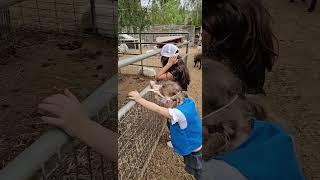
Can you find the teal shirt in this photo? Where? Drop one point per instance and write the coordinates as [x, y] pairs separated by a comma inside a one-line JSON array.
[[186, 140], [268, 154]]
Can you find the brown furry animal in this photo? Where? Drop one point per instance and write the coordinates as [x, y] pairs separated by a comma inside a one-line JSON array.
[[226, 129], [197, 60]]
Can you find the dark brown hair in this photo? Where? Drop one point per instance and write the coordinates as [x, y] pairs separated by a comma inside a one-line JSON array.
[[241, 31], [179, 72], [220, 86]]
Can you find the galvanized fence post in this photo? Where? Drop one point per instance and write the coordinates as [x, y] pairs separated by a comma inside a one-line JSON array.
[[38, 13], [93, 15], [56, 15], [187, 49], [140, 47]]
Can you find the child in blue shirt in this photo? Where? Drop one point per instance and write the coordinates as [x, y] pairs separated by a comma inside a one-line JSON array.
[[185, 124]]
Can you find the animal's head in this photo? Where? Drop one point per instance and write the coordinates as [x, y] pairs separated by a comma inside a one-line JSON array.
[[226, 111]]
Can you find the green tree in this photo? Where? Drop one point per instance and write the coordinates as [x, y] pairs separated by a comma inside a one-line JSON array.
[[135, 17], [132, 16]]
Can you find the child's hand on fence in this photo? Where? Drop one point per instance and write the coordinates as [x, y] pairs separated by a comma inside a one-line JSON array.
[[152, 83], [156, 91], [67, 109], [134, 95]]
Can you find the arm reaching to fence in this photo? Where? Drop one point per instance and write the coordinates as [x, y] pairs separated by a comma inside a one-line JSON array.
[[70, 116], [185, 125], [163, 74], [134, 95]]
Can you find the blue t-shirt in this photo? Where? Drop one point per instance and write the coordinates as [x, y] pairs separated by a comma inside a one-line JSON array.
[[184, 141], [268, 154]]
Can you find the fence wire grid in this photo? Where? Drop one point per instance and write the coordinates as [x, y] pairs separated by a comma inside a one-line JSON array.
[[139, 130], [75, 17], [4, 24], [64, 15]]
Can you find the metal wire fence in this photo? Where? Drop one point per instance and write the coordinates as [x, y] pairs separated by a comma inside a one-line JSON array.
[[140, 130], [80, 18], [64, 15], [4, 24], [74, 17], [6, 36]]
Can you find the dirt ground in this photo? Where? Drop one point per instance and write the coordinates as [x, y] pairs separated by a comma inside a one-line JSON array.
[[127, 83], [44, 64], [294, 85]]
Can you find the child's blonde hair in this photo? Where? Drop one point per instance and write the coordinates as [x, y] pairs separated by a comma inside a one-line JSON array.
[[174, 91]]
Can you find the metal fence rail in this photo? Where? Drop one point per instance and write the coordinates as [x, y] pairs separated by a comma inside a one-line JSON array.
[[140, 131], [145, 38], [52, 143], [133, 61]]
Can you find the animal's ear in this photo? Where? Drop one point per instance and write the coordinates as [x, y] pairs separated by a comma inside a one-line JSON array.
[[228, 129], [256, 107], [213, 144], [235, 87]]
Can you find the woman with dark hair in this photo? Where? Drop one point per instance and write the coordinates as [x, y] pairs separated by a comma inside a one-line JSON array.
[[238, 33], [173, 67]]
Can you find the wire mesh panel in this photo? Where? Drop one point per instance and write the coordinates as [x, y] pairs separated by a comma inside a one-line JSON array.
[[63, 15], [140, 130], [4, 24], [6, 39], [43, 14], [106, 16]]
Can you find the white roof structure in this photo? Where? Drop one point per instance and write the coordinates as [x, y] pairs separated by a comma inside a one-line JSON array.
[[164, 39], [126, 37]]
